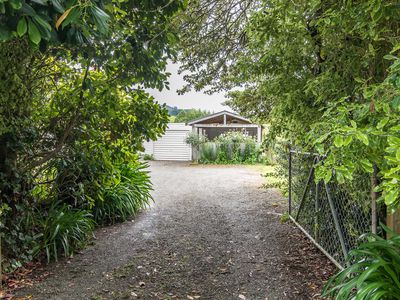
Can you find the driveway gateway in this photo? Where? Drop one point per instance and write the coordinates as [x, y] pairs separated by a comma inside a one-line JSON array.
[[212, 233]]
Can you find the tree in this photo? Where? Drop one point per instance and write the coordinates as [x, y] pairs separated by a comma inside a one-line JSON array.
[[317, 72], [73, 109], [187, 115], [212, 36]]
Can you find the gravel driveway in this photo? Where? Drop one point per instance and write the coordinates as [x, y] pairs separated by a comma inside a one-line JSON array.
[[212, 233]]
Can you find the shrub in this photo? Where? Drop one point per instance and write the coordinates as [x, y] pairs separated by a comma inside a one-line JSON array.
[[147, 156], [373, 271], [64, 230], [195, 139], [231, 147], [124, 198], [19, 236], [208, 152]]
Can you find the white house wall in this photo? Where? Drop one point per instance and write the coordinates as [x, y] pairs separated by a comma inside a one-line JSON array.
[[172, 145]]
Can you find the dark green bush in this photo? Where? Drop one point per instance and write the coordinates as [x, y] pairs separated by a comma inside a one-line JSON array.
[[64, 230], [126, 197], [19, 234]]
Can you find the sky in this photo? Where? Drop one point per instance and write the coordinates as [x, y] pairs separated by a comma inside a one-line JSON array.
[[191, 99]]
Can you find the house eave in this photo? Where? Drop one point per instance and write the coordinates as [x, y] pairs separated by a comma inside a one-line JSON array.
[[227, 125], [221, 113]]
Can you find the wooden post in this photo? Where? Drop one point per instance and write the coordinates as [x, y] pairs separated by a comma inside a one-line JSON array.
[[374, 197], [259, 134], [393, 221]]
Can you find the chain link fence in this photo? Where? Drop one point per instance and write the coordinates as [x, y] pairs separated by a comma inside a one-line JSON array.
[[334, 216]]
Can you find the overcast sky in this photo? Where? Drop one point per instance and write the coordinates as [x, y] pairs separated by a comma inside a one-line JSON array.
[[189, 100]]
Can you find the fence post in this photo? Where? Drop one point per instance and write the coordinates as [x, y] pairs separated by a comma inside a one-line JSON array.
[[290, 180], [336, 221], [374, 197], [316, 207], [393, 221], [303, 198], [316, 219]]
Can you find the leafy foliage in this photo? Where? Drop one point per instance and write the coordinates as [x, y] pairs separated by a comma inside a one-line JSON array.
[[212, 37], [373, 274], [232, 147], [74, 113], [195, 139], [324, 75], [64, 230], [129, 194], [187, 115]]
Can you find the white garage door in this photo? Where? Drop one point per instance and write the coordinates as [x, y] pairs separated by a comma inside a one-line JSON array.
[[172, 145]]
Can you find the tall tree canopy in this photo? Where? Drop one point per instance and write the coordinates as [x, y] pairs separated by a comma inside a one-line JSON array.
[[324, 75], [212, 34]]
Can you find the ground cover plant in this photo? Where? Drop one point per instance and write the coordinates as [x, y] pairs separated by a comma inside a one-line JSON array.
[[73, 116], [373, 271]]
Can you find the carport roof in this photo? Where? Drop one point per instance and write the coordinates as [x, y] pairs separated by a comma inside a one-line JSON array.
[[215, 115]]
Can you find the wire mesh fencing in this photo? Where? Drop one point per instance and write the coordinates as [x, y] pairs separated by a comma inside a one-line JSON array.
[[333, 215]]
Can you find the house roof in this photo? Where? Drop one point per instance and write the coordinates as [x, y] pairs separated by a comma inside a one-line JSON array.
[[221, 113]]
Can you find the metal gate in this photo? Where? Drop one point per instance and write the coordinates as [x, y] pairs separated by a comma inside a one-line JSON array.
[[333, 216]]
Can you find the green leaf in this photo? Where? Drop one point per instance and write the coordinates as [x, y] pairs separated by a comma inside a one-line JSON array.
[[339, 177], [390, 57], [371, 48], [33, 32], [394, 141], [5, 33], [27, 9], [366, 165], [398, 154], [363, 138], [43, 23], [348, 140], [22, 27], [58, 6], [16, 4], [72, 17], [395, 48], [391, 197], [338, 142], [100, 18], [382, 123], [328, 176], [41, 2], [395, 102]]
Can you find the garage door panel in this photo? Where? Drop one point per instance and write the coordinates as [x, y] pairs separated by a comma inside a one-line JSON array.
[[172, 146]]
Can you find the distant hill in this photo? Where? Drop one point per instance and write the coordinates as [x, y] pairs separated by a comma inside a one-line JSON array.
[[179, 115], [173, 111]]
